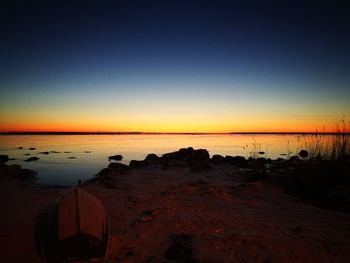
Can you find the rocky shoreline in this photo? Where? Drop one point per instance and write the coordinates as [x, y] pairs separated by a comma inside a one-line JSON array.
[[186, 206], [324, 183]]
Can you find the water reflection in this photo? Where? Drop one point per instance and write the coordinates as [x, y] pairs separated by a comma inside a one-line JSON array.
[[73, 157]]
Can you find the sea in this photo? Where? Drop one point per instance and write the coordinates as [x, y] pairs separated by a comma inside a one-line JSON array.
[[79, 157]]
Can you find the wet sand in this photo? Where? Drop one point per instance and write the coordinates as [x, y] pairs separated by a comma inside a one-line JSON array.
[[176, 214]]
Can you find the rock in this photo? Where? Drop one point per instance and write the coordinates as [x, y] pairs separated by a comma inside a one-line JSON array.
[[187, 150], [26, 154], [199, 155], [15, 166], [261, 160], [30, 159], [26, 174], [16, 171], [151, 157], [129, 253], [32, 149], [294, 158], [44, 153], [257, 173], [54, 152], [318, 158], [173, 155], [104, 171], [237, 160], [182, 154], [181, 250], [136, 164], [175, 163], [199, 160], [104, 177], [303, 153], [261, 152], [72, 157], [3, 158], [20, 148], [184, 150], [87, 151], [67, 152], [217, 158], [200, 166], [117, 157], [118, 167]]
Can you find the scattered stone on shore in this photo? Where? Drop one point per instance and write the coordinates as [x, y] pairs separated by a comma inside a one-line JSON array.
[[45, 153], [54, 152], [26, 154], [261, 152], [261, 160], [182, 154], [32, 148], [188, 154], [236, 160], [105, 177], [198, 160], [30, 159], [87, 151], [72, 157], [118, 167], [181, 249], [200, 155], [303, 153], [136, 164], [175, 163], [20, 148], [67, 152], [18, 172], [152, 157], [217, 158], [294, 158], [116, 157], [3, 158], [104, 171]]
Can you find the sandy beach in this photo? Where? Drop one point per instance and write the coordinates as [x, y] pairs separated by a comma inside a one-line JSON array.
[[176, 212]]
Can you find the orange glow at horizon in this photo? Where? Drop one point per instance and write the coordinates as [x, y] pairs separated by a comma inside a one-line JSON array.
[[163, 124]]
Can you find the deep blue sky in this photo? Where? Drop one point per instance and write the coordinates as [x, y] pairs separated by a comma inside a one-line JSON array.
[[204, 59]]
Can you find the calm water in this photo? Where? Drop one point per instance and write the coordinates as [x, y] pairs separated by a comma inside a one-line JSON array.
[[91, 151]]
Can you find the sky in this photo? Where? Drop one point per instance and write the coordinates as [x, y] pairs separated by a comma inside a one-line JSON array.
[[174, 66]]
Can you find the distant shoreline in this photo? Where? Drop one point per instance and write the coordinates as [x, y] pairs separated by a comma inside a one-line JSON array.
[[173, 133]]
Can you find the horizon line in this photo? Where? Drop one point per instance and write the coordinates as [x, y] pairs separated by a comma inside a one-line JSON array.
[[165, 133]]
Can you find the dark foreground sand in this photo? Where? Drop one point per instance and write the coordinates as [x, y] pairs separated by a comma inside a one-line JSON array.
[[177, 214]]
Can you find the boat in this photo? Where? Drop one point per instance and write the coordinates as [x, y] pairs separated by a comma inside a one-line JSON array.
[[74, 228]]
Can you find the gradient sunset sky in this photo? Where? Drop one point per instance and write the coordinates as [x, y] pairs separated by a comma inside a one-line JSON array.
[[174, 66]]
